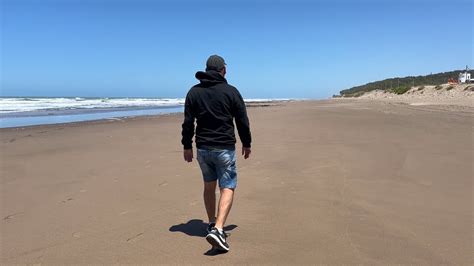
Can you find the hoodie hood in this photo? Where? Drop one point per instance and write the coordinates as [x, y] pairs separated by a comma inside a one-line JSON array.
[[210, 76]]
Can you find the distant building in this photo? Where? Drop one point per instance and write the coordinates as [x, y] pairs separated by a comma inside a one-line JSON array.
[[465, 77]]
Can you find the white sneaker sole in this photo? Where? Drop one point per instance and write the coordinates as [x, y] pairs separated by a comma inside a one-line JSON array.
[[215, 242]]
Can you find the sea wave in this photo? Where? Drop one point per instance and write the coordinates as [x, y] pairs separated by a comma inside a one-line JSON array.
[[34, 104], [27, 104]]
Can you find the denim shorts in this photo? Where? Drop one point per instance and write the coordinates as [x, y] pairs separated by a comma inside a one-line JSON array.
[[218, 164]]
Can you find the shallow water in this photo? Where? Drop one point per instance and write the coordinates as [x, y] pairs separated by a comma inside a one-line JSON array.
[[47, 118]]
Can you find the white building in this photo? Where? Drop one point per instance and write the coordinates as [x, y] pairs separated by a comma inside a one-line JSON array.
[[465, 77]]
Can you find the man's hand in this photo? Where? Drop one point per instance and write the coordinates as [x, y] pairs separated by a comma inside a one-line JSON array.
[[188, 155], [246, 152]]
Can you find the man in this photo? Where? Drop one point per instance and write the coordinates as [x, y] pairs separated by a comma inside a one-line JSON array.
[[214, 104]]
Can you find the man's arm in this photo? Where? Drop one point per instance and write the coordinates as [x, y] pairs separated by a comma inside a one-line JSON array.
[[188, 129], [242, 123]]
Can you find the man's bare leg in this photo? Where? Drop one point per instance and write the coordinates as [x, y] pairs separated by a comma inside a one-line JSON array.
[[225, 204], [210, 200]]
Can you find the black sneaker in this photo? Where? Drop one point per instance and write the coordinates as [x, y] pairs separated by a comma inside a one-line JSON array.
[[210, 226], [217, 240]]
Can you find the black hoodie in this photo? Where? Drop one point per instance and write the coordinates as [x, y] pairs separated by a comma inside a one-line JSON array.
[[214, 104]]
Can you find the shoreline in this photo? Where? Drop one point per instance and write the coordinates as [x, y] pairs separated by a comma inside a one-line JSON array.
[[74, 113], [448, 107], [89, 122], [54, 112]]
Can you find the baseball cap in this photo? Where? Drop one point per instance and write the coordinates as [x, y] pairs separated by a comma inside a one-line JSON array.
[[215, 62]]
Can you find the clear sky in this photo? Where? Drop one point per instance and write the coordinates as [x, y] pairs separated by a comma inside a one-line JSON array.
[[278, 49]]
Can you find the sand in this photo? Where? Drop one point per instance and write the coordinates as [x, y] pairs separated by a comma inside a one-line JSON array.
[[458, 95], [333, 182]]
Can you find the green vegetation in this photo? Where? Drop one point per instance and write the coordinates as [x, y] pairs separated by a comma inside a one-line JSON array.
[[400, 90], [357, 94], [394, 84]]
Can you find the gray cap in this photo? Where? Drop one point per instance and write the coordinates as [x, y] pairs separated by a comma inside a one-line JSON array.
[[215, 62]]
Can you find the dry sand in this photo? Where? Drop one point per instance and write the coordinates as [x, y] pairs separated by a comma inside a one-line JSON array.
[[328, 182], [458, 95]]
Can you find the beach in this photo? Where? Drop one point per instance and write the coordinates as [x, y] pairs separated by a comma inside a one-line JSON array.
[[328, 182], [451, 96]]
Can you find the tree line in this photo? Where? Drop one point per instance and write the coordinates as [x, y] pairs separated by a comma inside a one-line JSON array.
[[398, 85]]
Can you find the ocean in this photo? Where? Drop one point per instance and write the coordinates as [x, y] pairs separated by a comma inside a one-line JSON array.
[[29, 111]]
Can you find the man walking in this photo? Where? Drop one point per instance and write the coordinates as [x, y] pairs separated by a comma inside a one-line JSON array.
[[215, 104]]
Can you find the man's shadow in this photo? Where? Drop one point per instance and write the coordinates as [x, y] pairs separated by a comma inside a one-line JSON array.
[[196, 227]]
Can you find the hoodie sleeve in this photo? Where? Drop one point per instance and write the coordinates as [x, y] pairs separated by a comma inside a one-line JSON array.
[[241, 120], [188, 124]]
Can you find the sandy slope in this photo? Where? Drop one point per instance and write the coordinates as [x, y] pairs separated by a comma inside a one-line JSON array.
[[446, 94], [329, 182]]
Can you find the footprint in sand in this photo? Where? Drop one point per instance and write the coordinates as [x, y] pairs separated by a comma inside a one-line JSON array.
[[8, 217], [134, 238], [66, 200]]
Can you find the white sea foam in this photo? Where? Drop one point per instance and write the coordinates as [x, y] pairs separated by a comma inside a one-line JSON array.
[[13, 105], [9, 105], [266, 100]]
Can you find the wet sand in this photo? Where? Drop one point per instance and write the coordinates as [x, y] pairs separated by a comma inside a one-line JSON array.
[[329, 182]]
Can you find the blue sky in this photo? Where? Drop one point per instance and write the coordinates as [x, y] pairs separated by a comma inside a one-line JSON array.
[[277, 49]]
